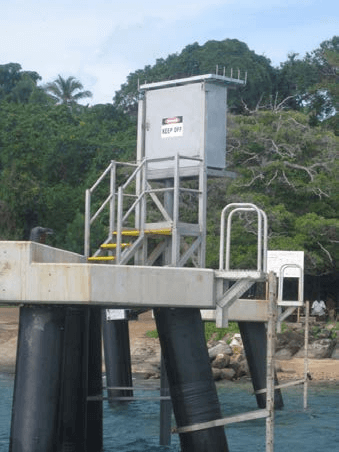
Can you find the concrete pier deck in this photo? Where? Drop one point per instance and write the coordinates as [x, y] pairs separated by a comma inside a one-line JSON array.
[[32, 273]]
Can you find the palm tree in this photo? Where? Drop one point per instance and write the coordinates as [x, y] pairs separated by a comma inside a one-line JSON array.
[[63, 90]]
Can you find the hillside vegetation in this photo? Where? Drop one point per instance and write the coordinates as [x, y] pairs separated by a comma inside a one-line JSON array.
[[282, 143]]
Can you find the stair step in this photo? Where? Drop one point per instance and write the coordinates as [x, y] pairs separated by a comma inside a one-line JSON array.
[[136, 232], [111, 246], [101, 258]]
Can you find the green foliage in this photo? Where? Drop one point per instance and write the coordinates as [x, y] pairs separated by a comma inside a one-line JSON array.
[[195, 59], [19, 86], [49, 155], [286, 160], [152, 334], [218, 333], [66, 91], [290, 170]]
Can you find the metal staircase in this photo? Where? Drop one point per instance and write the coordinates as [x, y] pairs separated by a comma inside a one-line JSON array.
[[145, 218]]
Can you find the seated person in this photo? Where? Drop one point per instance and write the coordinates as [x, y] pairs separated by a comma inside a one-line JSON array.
[[319, 308]]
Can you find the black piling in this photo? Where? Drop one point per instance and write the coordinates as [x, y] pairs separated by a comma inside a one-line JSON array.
[[254, 339], [37, 379], [73, 396], [192, 388], [117, 357], [94, 439]]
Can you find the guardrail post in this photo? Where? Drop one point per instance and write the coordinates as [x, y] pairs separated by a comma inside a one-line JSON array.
[[87, 237]]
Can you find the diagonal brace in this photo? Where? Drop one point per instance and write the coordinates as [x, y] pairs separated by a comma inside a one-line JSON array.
[[228, 298]]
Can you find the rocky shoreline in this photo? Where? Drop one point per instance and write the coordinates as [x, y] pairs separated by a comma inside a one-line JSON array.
[[228, 360], [227, 357]]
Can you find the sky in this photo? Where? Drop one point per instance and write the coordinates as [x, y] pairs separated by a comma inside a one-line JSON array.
[[100, 42]]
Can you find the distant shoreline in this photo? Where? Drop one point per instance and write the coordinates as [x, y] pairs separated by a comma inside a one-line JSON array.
[[322, 370]]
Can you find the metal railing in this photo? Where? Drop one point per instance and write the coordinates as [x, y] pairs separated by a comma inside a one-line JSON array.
[[225, 249], [110, 200], [300, 301], [120, 213]]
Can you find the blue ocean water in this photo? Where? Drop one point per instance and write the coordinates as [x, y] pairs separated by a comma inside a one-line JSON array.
[[134, 427]]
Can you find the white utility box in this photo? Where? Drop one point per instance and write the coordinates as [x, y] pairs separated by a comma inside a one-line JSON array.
[[186, 117]]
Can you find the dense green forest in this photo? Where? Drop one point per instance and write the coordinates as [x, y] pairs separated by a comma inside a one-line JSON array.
[[282, 144]]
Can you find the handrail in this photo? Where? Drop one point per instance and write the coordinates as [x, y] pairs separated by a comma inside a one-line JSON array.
[[101, 208], [94, 186], [262, 235], [300, 300], [115, 199], [89, 219]]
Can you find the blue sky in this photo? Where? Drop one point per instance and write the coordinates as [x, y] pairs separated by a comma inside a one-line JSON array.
[[100, 42]]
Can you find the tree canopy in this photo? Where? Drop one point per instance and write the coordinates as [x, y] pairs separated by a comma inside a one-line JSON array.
[[282, 143], [66, 91], [18, 86]]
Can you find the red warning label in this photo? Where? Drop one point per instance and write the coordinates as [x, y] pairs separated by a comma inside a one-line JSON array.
[[172, 127]]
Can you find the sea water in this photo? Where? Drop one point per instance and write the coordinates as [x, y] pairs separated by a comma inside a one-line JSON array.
[[134, 426]]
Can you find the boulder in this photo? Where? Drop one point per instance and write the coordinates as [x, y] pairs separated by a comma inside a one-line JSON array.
[[243, 370], [291, 341], [221, 361], [227, 374], [239, 364], [319, 349], [335, 353], [216, 373], [220, 348], [283, 354]]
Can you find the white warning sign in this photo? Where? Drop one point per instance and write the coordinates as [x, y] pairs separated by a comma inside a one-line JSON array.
[[172, 127]]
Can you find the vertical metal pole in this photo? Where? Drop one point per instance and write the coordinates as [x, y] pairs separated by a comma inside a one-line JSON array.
[[140, 151], [264, 267], [166, 405], [87, 223], [143, 172], [202, 211], [259, 257], [119, 224], [222, 240], [228, 242], [112, 202], [270, 362], [307, 320], [141, 128], [175, 231], [142, 254]]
